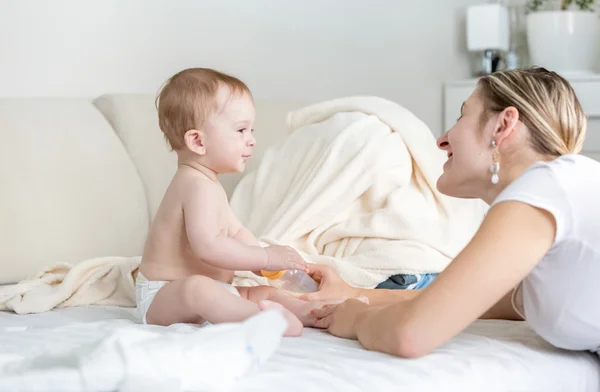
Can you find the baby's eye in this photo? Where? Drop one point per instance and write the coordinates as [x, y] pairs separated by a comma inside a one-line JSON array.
[[241, 130]]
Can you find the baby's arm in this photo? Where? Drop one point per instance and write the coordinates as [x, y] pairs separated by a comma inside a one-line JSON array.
[[202, 209], [240, 233], [202, 212]]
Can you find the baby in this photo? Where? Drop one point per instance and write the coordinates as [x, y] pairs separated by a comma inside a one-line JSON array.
[[195, 242]]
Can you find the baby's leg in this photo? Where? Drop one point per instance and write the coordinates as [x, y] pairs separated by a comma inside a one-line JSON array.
[[197, 299], [263, 295]]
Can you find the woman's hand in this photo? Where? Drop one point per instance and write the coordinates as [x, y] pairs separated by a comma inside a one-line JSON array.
[[331, 286], [341, 319]]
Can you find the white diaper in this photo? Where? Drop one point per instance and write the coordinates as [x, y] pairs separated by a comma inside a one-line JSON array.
[[145, 291]]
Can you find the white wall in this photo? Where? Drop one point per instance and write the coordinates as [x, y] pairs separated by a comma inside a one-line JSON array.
[[308, 49]]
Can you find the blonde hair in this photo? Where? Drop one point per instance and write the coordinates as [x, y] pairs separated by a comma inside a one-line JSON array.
[[547, 105], [188, 98]]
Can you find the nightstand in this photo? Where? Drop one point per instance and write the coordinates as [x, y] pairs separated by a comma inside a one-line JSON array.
[[587, 89]]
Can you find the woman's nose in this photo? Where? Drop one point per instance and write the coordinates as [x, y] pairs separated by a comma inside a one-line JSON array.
[[442, 141]]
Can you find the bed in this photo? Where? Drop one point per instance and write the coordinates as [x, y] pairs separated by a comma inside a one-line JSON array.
[[118, 189], [490, 355]]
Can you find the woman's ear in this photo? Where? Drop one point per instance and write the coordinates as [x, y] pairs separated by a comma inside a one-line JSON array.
[[195, 141], [507, 122]]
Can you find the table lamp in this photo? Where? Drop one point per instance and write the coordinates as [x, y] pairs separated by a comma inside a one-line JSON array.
[[488, 34]]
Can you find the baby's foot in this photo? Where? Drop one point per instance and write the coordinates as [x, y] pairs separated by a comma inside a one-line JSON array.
[[304, 310], [294, 324]]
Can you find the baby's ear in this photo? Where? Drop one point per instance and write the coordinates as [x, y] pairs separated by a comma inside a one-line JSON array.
[[195, 141]]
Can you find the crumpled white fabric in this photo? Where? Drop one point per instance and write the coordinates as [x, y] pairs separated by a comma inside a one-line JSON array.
[[132, 358]]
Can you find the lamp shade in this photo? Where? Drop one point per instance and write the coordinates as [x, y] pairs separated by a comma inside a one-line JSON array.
[[487, 27]]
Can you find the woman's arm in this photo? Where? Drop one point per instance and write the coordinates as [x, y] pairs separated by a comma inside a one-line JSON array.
[[503, 310], [380, 297], [512, 239], [333, 287]]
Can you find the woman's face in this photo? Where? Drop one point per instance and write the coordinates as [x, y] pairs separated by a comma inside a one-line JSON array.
[[468, 144]]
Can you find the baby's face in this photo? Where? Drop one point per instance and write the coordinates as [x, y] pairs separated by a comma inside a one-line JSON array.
[[229, 138]]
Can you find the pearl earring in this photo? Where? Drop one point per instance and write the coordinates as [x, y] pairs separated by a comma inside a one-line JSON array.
[[495, 166]]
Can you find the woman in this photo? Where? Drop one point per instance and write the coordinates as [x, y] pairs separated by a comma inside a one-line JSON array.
[[536, 255]]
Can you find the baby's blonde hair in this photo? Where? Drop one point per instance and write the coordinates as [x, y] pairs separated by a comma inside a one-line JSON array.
[[188, 98], [547, 105]]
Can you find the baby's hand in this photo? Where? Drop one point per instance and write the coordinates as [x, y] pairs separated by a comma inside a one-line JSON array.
[[284, 258]]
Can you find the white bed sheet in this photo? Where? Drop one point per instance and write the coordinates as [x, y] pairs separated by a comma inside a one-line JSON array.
[[490, 355]]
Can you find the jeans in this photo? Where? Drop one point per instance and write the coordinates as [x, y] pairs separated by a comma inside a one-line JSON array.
[[407, 281]]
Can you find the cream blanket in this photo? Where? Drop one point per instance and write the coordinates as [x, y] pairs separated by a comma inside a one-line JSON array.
[[99, 281], [354, 187]]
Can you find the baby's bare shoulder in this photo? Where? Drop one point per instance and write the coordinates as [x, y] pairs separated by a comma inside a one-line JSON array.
[[195, 189]]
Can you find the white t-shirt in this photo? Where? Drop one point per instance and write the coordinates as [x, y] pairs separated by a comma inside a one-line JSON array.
[[560, 298]]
